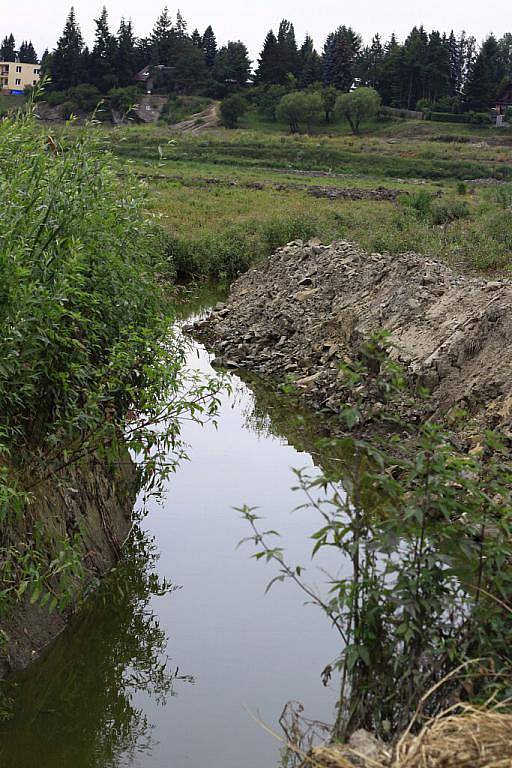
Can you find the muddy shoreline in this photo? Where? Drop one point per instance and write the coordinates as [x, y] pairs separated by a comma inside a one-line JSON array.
[[96, 499]]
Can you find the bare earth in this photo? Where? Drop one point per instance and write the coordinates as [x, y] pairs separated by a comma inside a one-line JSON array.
[[310, 306]]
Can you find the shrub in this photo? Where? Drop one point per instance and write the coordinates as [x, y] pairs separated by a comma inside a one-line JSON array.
[[269, 99], [231, 109], [420, 202], [357, 106], [448, 117], [86, 97], [56, 98], [445, 211], [83, 315], [299, 108], [424, 105], [123, 99], [67, 109]]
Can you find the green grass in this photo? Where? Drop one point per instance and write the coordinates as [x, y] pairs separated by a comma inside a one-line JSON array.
[[180, 108], [229, 197], [9, 102]]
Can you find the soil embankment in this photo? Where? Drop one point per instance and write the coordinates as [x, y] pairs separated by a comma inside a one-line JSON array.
[[309, 307], [93, 500]]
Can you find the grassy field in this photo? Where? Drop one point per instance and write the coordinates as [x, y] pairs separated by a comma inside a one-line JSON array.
[[227, 198]]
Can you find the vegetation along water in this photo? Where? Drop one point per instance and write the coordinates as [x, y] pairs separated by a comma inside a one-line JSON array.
[[164, 513]]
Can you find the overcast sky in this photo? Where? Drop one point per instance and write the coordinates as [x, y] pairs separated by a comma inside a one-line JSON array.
[[42, 22]]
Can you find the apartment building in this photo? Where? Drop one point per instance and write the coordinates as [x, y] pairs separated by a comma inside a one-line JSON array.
[[15, 76]]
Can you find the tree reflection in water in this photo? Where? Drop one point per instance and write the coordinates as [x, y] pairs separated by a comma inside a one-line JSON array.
[[75, 706]]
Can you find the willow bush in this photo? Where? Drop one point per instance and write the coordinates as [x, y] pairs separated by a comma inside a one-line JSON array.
[[86, 357]]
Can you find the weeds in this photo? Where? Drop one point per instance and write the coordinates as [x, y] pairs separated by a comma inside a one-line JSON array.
[[83, 363], [422, 534]]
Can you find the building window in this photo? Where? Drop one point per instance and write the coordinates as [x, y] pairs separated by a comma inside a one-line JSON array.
[[34, 82], [18, 81], [18, 69], [36, 71]]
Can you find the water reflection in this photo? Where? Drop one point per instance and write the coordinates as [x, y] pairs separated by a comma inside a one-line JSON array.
[[75, 705], [97, 699]]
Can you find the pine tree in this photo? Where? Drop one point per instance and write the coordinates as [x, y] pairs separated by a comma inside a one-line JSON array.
[[196, 38], [67, 59], [370, 64], [103, 57], [437, 69], [414, 60], [27, 53], [289, 60], [469, 55], [126, 54], [269, 68], [162, 39], [8, 48], [233, 65], [311, 71], [392, 74], [505, 55], [341, 51], [180, 28], [188, 69], [456, 64], [46, 64], [485, 76], [209, 46]]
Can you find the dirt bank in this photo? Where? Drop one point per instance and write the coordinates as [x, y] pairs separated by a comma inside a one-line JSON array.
[[309, 307], [92, 498]]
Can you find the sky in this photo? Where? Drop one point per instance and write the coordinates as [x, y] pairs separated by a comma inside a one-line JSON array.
[[42, 22]]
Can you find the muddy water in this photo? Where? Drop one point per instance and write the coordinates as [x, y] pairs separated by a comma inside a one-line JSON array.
[[161, 675]]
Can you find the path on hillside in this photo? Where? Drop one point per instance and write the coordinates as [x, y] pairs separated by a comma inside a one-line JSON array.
[[201, 121]]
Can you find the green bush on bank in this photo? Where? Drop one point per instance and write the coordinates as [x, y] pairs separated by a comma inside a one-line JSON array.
[[83, 314], [227, 254]]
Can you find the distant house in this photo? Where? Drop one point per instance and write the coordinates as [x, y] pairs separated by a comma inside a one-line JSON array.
[[149, 73], [15, 76]]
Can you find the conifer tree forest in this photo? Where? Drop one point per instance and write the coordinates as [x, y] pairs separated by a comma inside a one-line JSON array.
[[448, 71]]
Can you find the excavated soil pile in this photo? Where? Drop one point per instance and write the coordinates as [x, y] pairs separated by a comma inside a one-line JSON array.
[[310, 306]]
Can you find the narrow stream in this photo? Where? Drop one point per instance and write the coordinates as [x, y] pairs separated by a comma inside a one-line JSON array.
[[156, 678]]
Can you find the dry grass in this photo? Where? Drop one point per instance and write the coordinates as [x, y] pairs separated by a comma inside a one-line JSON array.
[[472, 737]]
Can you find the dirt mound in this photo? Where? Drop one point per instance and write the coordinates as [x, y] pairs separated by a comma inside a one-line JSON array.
[[311, 306]]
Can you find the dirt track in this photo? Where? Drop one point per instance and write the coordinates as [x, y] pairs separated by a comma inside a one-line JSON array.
[[200, 122]]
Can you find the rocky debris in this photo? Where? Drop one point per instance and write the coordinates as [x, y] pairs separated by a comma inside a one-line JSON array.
[[379, 194], [308, 308], [149, 108], [362, 750]]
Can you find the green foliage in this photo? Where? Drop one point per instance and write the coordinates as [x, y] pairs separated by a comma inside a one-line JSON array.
[[298, 109], [437, 210], [361, 104], [473, 118], [329, 96], [231, 109], [421, 530], [83, 314], [226, 254], [179, 108], [123, 99], [268, 99]]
